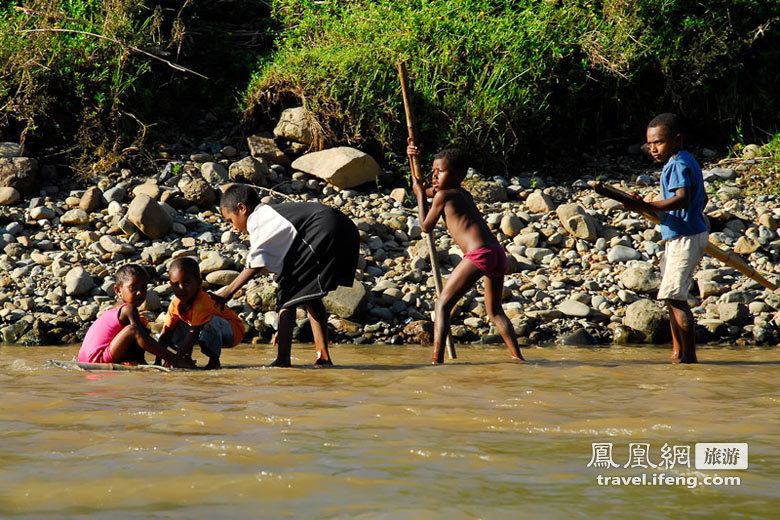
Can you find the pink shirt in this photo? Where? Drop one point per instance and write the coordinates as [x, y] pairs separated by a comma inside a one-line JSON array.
[[95, 349]]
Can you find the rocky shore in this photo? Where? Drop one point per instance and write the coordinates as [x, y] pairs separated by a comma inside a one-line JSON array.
[[581, 269]]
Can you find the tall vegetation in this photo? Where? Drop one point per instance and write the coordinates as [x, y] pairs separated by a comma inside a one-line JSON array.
[[510, 78]]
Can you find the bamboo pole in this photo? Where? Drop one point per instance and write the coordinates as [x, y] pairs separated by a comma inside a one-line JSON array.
[[414, 165], [729, 258]]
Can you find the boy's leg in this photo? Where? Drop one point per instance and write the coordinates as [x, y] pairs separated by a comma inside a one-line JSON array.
[[284, 337], [462, 278], [683, 331], [215, 334], [494, 289], [318, 318]]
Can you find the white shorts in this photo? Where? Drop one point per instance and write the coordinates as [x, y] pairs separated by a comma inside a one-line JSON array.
[[681, 256]]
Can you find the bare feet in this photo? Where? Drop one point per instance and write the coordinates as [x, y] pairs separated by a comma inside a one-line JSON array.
[[320, 362], [281, 363], [438, 356]]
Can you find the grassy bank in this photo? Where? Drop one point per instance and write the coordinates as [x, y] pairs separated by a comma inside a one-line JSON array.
[[517, 80]]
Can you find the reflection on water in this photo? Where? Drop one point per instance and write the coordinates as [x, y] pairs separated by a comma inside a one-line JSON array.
[[381, 435]]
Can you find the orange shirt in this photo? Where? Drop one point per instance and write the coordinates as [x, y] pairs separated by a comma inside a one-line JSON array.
[[203, 308]]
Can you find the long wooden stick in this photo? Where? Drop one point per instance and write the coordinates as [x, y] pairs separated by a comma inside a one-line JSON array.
[[727, 257], [414, 164]]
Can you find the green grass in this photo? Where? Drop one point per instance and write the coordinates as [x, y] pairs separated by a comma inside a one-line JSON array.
[[508, 79]]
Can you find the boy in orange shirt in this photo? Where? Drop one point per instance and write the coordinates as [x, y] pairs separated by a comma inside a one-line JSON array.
[[193, 316]]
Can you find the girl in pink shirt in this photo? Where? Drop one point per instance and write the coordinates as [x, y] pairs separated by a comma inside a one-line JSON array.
[[119, 335]]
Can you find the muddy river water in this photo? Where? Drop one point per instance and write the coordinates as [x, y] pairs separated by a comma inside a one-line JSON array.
[[384, 435]]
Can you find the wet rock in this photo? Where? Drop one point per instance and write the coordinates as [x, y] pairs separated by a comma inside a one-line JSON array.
[[347, 302], [420, 331], [577, 222], [343, 167], [78, 282], [296, 124], [149, 216], [648, 319]]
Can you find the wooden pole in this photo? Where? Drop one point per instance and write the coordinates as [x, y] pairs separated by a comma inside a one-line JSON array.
[[414, 165], [727, 257]]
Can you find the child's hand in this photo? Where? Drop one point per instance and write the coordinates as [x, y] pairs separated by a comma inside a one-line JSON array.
[[221, 301], [412, 151], [639, 205]]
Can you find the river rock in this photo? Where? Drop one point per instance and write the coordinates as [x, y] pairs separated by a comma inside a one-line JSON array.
[[419, 331], [537, 253], [746, 245], [574, 308], [649, 320], [198, 191], [156, 253], [622, 254], [734, 313], [709, 288], [578, 337], [577, 222], [114, 245], [92, 200], [527, 239], [250, 170], [20, 173], [214, 173], [641, 278], [343, 167], [539, 202], [9, 196], [347, 302], [511, 225], [265, 147], [296, 124], [42, 213], [78, 282], [484, 191], [221, 277], [262, 299], [149, 188], [149, 216], [74, 217], [214, 262]]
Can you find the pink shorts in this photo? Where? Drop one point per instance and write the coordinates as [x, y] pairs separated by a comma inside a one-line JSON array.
[[491, 260], [103, 356]]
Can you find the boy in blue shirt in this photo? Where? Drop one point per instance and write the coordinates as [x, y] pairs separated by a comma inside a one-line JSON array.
[[683, 227]]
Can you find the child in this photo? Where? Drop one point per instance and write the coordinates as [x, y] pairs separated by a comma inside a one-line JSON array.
[[119, 335], [193, 316], [683, 227], [483, 255], [311, 247]]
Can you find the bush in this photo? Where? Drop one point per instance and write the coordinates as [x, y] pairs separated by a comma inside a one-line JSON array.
[[509, 79]]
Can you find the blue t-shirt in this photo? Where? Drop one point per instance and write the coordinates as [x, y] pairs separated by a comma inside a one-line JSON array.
[[682, 171]]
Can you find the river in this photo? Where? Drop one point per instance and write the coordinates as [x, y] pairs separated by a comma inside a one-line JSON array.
[[385, 435]]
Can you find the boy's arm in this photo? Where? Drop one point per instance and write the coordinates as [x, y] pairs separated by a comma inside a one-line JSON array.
[[429, 217], [185, 348]]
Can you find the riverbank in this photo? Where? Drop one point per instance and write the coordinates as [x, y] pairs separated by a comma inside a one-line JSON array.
[[581, 269]]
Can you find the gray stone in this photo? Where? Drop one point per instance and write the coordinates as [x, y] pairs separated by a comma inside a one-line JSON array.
[[149, 217], [155, 254], [734, 313], [537, 253], [250, 170], [527, 239], [343, 167], [214, 173], [78, 282], [577, 222], [709, 288], [215, 262], [622, 254], [574, 308], [296, 124], [115, 194], [641, 278], [649, 320], [724, 173], [578, 337], [74, 217], [114, 245], [347, 302]]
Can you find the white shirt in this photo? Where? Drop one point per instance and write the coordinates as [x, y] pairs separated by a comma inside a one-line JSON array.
[[270, 237]]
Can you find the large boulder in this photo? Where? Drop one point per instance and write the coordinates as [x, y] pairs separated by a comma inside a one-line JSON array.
[[198, 192], [343, 167], [296, 124], [250, 170], [20, 173], [265, 147], [347, 302], [641, 278], [577, 222], [149, 216], [649, 320]]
